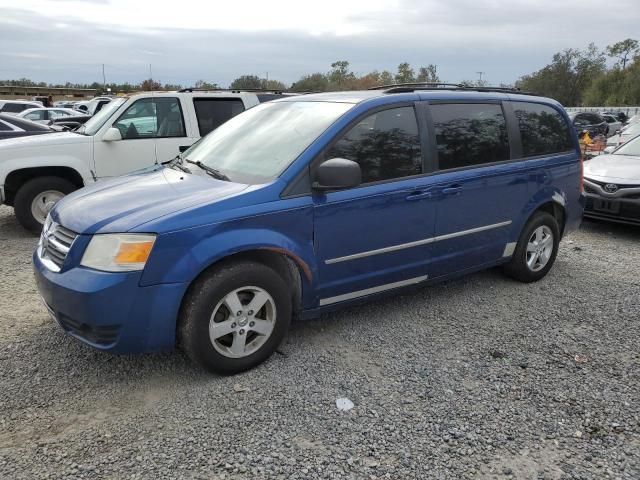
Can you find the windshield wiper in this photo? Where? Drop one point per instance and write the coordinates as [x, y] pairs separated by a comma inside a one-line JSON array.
[[176, 162], [217, 174]]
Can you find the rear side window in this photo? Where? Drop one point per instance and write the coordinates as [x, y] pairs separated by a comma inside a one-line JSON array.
[[385, 144], [213, 112], [542, 129], [4, 127], [15, 107], [469, 134]]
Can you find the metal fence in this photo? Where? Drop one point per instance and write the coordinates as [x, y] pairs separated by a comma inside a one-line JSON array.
[[629, 111]]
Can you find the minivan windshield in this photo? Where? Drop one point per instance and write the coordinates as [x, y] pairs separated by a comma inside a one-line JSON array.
[[94, 123], [260, 143], [632, 147]]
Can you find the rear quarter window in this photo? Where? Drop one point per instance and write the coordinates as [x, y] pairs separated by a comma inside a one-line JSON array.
[[542, 129]]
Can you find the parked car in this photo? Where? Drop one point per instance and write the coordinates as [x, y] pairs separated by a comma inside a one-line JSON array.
[[129, 133], [613, 123], [63, 104], [306, 204], [626, 134], [612, 184], [17, 106], [70, 123], [590, 122], [44, 115], [14, 127]]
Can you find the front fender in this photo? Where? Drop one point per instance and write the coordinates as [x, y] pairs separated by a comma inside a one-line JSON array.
[[78, 159], [183, 255]]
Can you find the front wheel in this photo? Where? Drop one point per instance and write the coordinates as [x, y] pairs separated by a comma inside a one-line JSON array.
[[35, 199], [536, 250], [234, 317]]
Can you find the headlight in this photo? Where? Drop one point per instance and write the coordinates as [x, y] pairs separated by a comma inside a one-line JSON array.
[[118, 252]]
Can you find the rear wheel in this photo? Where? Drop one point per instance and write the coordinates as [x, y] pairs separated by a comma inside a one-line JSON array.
[[234, 317], [35, 199], [536, 250]]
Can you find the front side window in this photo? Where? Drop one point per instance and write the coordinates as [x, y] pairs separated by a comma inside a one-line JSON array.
[[213, 112], [542, 129], [37, 115], [385, 144], [152, 118], [469, 134]]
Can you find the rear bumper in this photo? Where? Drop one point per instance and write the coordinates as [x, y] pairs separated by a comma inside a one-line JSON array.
[[111, 311]]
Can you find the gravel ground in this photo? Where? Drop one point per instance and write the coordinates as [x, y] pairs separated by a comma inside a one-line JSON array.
[[480, 377]]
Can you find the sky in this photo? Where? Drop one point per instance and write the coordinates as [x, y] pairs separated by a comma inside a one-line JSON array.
[[61, 40]]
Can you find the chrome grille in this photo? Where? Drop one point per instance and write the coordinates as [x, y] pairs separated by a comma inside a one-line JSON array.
[[55, 244]]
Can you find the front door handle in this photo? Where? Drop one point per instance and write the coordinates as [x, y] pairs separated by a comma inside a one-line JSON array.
[[452, 190], [418, 196]]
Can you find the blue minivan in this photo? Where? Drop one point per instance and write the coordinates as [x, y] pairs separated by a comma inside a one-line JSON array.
[[307, 204]]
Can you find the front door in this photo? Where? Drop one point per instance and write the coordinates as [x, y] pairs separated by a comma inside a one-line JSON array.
[[151, 129], [480, 194], [372, 238]]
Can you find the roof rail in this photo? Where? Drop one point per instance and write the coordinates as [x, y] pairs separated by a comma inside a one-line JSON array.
[[233, 90], [415, 85], [412, 87]]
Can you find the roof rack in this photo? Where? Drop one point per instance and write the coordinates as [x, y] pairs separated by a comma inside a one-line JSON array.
[[233, 90], [412, 87]]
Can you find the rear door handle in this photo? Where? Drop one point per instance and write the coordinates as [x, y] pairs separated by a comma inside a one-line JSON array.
[[418, 196], [452, 190]]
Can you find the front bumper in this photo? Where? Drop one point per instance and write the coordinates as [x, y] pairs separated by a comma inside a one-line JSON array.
[[111, 311], [620, 209]]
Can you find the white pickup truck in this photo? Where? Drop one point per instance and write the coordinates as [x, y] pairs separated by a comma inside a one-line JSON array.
[[128, 134]]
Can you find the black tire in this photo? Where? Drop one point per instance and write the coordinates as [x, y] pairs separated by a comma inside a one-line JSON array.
[[203, 297], [517, 267], [28, 192]]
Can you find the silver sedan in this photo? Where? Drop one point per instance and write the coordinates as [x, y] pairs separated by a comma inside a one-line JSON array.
[[612, 184]]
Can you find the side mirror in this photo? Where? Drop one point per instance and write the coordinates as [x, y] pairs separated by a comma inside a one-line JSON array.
[[112, 135], [609, 149], [183, 148], [336, 174]]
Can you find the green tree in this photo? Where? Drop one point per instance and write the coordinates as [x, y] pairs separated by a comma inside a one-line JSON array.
[[405, 74], [316, 82], [246, 82], [617, 87], [386, 77], [623, 51], [568, 76], [340, 76], [428, 74], [203, 84]]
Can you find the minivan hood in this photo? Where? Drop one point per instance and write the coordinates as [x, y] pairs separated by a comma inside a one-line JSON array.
[[49, 139], [613, 168], [120, 204]]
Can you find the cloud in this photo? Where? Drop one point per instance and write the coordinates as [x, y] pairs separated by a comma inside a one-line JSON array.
[[503, 39]]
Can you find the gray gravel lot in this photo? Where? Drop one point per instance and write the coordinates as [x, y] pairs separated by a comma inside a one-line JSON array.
[[480, 377]]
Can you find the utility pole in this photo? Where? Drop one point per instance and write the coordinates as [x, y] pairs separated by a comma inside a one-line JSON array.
[[480, 76], [104, 81]]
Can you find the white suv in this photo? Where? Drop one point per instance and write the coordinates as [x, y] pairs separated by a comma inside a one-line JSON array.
[[128, 134], [17, 106]]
